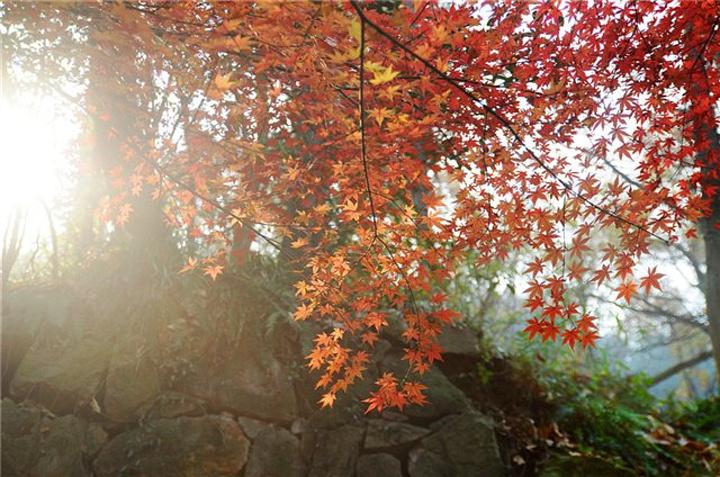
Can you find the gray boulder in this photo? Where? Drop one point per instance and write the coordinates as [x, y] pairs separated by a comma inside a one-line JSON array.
[[132, 381], [251, 427], [65, 349], [34, 444], [378, 465], [462, 445], [336, 452], [20, 438], [61, 448], [25, 313], [170, 405], [455, 338], [458, 338], [60, 371], [383, 434], [251, 380], [443, 396], [275, 453], [186, 446]]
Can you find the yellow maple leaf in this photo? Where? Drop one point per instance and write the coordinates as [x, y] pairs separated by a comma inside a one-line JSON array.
[[235, 218], [380, 115], [355, 30], [337, 334], [301, 242], [384, 75], [222, 82], [390, 92], [354, 54], [322, 209], [241, 43], [338, 57]]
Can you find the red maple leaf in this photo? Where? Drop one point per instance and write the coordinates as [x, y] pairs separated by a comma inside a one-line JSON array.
[[650, 281]]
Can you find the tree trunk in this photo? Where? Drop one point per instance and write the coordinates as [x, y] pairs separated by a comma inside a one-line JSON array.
[[708, 159], [711, 235]]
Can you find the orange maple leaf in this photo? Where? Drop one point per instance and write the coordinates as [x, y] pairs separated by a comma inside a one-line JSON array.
[[626, 290], [213, 271], [124, 214], [191, 265], [327, 400]]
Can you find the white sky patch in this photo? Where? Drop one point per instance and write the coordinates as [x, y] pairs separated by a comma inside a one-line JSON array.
[[35, 137]]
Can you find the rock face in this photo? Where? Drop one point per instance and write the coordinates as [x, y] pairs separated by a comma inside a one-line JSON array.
[[25, 314], [455, 338], [64, 353], [246, 408], [172, 404], [444, 398], [250, 381], [251, 427], [20, 438], [132, 381], [382, 434], [61, 450], [186, 446], [336, 452], [59, 374], [247, 384], [34, 444], [462, 445], [460, 340], [275, 453], [377, 465]]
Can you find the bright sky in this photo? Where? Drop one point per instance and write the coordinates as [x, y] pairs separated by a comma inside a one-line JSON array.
[[34, 138]]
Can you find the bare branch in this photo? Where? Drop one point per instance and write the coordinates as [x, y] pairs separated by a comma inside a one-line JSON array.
[[672, 371]]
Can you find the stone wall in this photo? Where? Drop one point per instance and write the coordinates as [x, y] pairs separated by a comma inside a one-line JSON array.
[[82, 397]]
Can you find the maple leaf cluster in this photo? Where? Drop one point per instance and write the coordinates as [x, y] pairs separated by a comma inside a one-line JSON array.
[[375, 150]]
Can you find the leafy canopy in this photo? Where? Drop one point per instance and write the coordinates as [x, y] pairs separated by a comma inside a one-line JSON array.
[[374, 145]]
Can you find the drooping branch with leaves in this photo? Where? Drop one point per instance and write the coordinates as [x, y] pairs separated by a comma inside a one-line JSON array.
[[372, 146]]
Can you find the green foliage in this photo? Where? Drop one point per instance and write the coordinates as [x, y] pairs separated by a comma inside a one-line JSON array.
[[603, 413], [607, 413], [700, 420]]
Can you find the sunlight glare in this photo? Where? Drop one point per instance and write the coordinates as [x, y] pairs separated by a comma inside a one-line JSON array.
[[34, 139]]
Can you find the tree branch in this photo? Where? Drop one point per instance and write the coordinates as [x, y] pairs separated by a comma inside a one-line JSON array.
[[362, 126], [672, 371], [505, 122]]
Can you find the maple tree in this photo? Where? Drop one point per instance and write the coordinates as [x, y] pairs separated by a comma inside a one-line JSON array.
[[373, 145]]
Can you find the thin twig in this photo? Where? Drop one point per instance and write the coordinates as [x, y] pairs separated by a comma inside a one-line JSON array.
[[362, 127]]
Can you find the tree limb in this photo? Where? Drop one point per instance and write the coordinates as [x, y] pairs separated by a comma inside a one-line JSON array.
[[672, 371]]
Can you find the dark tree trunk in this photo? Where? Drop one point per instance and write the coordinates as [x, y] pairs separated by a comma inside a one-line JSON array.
[[711, 235]]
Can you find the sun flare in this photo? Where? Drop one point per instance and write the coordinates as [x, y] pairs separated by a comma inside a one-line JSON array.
[[36, 136]]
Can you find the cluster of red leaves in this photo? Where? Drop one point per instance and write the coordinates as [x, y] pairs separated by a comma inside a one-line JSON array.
[[388, 394], [374, 150]]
